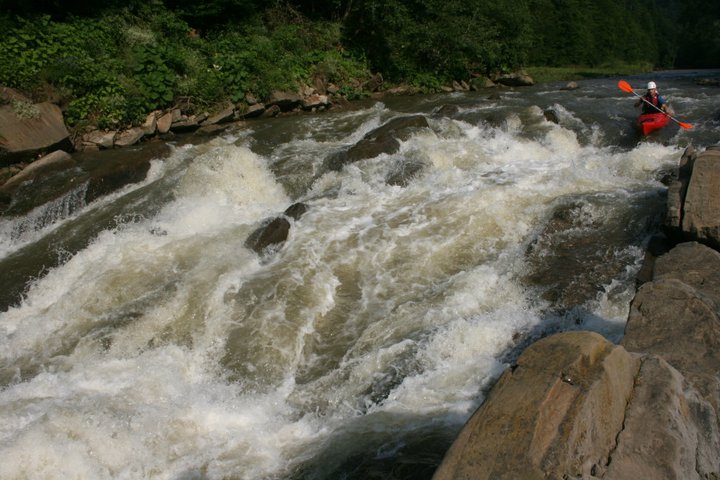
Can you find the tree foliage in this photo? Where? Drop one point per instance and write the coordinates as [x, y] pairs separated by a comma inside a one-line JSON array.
[[111, 61]]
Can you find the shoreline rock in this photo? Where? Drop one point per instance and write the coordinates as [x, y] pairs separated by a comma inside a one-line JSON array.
[[577, 406]]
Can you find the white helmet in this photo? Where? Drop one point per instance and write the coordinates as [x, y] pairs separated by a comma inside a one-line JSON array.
[[651, 85]]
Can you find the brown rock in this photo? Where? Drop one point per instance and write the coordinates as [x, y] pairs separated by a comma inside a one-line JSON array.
[[58, 160], [23, 138], [669, 431], [701, 215], [676, 316], [164, 123], [555, 415], [129, 137]]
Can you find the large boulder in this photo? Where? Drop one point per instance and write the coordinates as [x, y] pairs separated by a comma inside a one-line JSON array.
[[41, 129], [577, 406], [556, 414], [677, 316], [693, 197]]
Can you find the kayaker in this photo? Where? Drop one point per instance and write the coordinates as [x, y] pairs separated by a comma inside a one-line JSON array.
[[653, 98]]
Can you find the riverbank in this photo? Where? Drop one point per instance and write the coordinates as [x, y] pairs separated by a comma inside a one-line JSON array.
[[577, 406]]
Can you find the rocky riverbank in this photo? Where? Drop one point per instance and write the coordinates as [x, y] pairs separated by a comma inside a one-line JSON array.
[[31, 131], [577, 406]]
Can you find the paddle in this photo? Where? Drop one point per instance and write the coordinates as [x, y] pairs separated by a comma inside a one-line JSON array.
[[626, 86]]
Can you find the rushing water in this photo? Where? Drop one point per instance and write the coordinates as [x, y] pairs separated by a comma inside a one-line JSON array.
[[158, 346]]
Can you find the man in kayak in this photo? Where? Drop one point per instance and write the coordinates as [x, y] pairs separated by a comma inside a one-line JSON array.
[[653, 98]]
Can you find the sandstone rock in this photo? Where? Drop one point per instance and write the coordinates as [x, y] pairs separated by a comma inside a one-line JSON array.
[[676, 193], [669, 431], [676, 316], [315, 101], [253, 110], [164, 123], [555, 415], [57, 160], [701, 215], [185, 124], [100, 139], [225, 115], [129, 137], [22, 138], [150, 124]]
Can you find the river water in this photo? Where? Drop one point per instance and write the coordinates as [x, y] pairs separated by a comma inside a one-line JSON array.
[[161, 347]]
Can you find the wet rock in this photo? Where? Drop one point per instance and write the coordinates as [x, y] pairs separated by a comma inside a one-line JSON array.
[[57, 160], [296, 210], [404, 171], [384, 139], [551, 116], [273, 232]]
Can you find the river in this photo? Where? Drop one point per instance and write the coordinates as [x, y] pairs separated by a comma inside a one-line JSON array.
[[162, 348]]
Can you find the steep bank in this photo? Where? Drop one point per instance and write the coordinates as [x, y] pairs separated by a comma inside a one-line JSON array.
[[578, 406]]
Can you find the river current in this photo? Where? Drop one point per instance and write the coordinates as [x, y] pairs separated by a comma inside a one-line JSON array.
[[164, 348]]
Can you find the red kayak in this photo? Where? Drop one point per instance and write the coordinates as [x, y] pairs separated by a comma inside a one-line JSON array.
[[650, 122]]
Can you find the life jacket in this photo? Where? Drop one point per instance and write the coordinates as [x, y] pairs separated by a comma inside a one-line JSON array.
[[658, 101]]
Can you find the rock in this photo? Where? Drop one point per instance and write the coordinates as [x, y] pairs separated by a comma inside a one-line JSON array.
[[150, 124], [9, 95], [185, 124], [57, 160], [676, 316], [577, 406], [272, 232], [551, 116], [100, 139], [296, 210], [558, 412], [225, 115], [253, 110], [271, 111], [24, 137], [481, 81], [676, 194], [570, 86], [374, 84], [515, 79], [285, 100], [669, 431], [164, 123], [315, 101], [129, 137], [701, 215], [384, 139]]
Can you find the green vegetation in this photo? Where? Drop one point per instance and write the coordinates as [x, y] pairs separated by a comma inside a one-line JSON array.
[[109, 63]]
